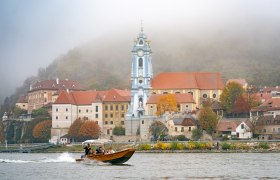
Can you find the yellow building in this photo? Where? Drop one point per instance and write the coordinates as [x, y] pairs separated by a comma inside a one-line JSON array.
[[200, 85]]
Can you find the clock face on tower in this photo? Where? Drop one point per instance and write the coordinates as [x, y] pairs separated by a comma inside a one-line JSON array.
[[140, 53]]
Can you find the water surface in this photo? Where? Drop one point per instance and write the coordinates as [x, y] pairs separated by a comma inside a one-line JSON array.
[[143, 166]]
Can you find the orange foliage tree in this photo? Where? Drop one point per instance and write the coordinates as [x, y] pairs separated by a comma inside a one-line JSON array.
[[89, 130], [241, 105], [42, 131], [74, 129], [166, 102]]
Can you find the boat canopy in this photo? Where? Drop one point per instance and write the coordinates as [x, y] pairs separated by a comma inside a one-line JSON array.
[[97, 141]]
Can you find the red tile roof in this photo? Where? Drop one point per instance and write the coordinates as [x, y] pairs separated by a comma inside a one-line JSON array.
[[188, 80], [231, 125], [269, 105], [56, 85], [88, 97], [269, 89], [180, 98], [22, 99]]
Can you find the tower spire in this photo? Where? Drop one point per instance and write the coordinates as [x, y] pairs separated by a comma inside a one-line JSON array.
[[141, 25]]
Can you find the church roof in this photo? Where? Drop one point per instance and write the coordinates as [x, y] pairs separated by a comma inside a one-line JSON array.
[[89, 97], [180, 98], [56, 85], [188, 80]]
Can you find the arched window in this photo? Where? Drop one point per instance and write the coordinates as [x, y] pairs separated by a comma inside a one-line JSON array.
[[140, 62], [141, 42], [140, 102]]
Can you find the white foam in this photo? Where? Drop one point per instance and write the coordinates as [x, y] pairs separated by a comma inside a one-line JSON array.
[[14, 161], [65, 157]]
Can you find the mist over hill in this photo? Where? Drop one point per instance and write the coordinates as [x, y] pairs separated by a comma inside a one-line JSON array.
[[105, 62]]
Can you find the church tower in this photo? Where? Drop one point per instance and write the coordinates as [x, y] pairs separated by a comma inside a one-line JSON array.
[[141, 76]]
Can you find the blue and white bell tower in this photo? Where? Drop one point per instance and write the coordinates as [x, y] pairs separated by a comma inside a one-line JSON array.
[[141, 76]]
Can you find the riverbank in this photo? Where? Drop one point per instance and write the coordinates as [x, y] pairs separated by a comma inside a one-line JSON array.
[[164, 147]]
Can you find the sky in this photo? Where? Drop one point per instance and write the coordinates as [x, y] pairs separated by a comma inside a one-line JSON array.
[[34, 32]]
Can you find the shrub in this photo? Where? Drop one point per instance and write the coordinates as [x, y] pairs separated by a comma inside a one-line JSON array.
[[119, 131], [180, 146], [234, 146], [191, 145], [225, 146], [145, 147], [162, 146], [173, 145], [181, 138], [263, 145]]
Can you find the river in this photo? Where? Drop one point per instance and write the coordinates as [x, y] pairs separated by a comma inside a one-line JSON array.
[[142, 166]]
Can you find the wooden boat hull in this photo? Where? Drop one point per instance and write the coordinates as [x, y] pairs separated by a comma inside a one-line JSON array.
[[113, 158]]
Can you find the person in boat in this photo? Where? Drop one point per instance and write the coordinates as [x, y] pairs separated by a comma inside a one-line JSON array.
[[99, 150], [87, 149], [110, 150]]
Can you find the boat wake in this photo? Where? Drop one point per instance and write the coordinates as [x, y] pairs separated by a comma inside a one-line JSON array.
[[65, 157]]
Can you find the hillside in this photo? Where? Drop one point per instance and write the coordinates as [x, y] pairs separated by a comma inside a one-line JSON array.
[[105, 62]]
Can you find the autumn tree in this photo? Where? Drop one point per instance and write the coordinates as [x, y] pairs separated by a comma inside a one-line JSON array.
[[207, 119], [42, 131], [2, 133], [74, 129], [241, 105], [166, 102], [229, 96], [89, 130], [157, 128]]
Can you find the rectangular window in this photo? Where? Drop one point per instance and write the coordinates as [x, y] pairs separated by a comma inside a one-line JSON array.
[[79, 111], [66, 109], [117, 107], [87, 110], [96, 116], [182, 129], [122, 122], [56, 110], [66, 117], [106, 122], [175, 129], [122, 115], [111, 122], [190, 128], [111, 107], [96, 108], [142, 121], [122, 107], [111, 115], [108, 131], [242, 126], [56, 117], [106, 115], [106, 108]]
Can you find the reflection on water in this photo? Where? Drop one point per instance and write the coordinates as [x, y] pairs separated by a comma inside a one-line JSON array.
[[143, 166]]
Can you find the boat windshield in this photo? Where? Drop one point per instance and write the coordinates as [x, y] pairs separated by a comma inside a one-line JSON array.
[[97, 141]]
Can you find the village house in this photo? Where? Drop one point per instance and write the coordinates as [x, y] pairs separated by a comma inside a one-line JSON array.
[[107, 108], [181, 126], [45, 92], [239, 128], [267, 118], [22, 102]]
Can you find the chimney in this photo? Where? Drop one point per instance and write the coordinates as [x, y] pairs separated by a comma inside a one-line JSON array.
[[57, 81]]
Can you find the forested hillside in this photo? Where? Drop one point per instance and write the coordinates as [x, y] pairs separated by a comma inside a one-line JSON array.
[[106, 62]]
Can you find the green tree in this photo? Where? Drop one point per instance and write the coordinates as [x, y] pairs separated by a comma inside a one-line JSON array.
[[196, 133], [119, 131], [42, 131], [40, 112], [207, 119], [157, 128], [229, 96], [18, 111], [2, 133]]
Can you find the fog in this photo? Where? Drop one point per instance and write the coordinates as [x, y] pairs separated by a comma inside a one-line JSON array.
[[33, 33]]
